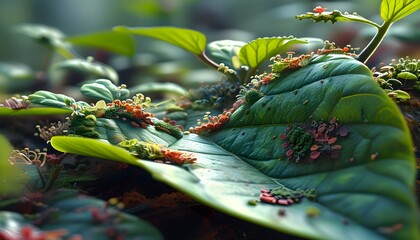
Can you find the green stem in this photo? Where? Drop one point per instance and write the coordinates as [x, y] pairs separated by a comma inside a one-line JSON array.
[[374, 43]]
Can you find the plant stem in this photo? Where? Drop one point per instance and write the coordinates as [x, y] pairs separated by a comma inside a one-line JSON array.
[[203, 57], [374, 43]]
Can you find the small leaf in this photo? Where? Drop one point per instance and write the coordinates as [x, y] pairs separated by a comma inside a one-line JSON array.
[[104, 89], [400, 94], [255, 52], [89, 68], [224, 51], [118, 42], [190, 40], [50, 99], [406, 76], [394, 10]]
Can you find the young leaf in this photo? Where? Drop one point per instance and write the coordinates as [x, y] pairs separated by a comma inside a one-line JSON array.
[[118, 42], [225, 51], [255, 52], [190, 40], [104, 89], [50, 99], [394, 10]]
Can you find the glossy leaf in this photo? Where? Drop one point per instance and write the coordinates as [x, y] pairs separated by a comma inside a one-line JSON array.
[[104, 89], [116, 130], [89, 68], [50, 99], [225, 51], [118, 42], [190, 40], [77, 215], [394, 10], [364, 194], [36, 111], [255, 52]]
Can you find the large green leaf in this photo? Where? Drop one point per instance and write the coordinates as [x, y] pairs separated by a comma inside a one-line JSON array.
[[187, 39], [255, 52], [394, 10], [364, 194], [118, 42]]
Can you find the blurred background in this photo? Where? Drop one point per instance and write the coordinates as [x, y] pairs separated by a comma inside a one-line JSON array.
[[242, 20]]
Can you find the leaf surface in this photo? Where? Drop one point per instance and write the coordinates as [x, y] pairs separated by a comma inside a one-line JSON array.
[[364, 194], [255, 52], [190, 40], [118, 42], [394, 10]]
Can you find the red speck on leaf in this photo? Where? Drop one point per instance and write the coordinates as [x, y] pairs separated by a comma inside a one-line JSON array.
[[283, 136], [314, 147], [343, 131], [289, 152], [315, 154], [285, 145], [319, 9], [332, 140]]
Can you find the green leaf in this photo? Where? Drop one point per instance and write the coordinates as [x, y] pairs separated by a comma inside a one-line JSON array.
[[190, 40], [364, 194], [406, 76], [36, 111], [104, 89], [225, 51], [117, 42], [50, 99], [115, 131], [336, 16], [394, 10], [255, 52], [159, 87], [89, 68], [12, 179], [80, 215]]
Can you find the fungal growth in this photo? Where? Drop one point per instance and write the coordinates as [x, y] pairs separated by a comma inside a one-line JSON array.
[[307, 142], [282, 195], [157, 152]]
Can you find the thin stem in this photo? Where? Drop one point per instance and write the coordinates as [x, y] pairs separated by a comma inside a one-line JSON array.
[[374, 43], [203, 57]]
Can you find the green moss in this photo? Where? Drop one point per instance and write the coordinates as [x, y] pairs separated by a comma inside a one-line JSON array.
[[168, 128]]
